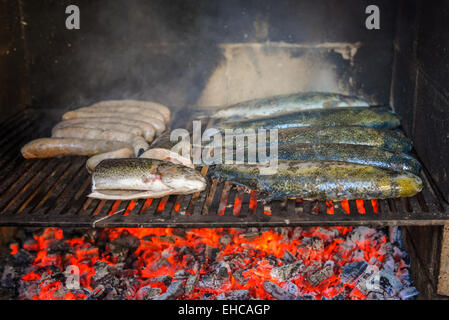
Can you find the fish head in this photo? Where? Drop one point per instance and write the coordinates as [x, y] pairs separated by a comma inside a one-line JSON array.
[[180, 177]]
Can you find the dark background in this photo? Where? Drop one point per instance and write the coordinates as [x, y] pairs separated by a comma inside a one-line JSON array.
[[166, 51]]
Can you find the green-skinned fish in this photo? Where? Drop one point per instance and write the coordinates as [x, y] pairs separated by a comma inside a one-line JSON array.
[[378, 118], [333, 152], [321, 180], [385, 139], [288, 103]]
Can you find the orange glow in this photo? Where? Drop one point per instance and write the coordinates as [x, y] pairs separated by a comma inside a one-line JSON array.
[[345, 206], [330, 207], [375, 205], [252, 254], [360, 206]]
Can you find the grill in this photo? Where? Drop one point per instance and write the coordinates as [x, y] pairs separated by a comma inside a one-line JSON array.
[[53, 193]]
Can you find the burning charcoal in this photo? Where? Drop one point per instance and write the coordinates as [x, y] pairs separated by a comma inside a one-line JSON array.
[[101, 270], [168, 238], [369, 280], [234, 295], [326, 272], [250, 235], [210, 282], [97, 293], [317, 243], [124, 243], [395, 235], [291, 288], [191, 283], [288, 271], [207, 296], [297, 233], [389, 264], [389, 282], [8, 277], [223, 269], [162, 262], [163, 279], [181, 275], [408, 293], [326, 234], [174, 291], [225, 240], [273, 260], [288, 257], [211, 253], [361, 234], [148, 293], [186, 250], [352, 271], [238, 275], [276, 291]]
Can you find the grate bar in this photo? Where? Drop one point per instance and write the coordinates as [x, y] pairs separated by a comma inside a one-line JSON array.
[[53, 192]]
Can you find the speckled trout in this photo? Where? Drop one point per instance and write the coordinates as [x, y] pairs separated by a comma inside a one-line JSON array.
[[128, 179], [378, 118], [334, 152], [322, 180], [390, 140], [288, 103]]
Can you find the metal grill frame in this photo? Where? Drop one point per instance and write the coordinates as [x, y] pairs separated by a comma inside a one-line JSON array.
[[52, 193]]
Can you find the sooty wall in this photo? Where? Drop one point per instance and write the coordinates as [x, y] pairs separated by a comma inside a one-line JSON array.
[[205, 52], [420, 92]]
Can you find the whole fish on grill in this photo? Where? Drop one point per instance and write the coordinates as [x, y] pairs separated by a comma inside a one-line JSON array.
[[321, 180], [57, 147], [93, 161], [128, 179], [288, 103], [390, 140], [333, 152], [378, 118]]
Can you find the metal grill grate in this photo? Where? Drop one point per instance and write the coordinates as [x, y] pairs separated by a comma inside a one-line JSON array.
[[53, 193]]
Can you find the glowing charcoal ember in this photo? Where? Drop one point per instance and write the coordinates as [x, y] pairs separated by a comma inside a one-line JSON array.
[[408, 293], [352, 271], [319, 276], [276, 291], [144, 264], [174, 291], [234, 295], [288, 271]]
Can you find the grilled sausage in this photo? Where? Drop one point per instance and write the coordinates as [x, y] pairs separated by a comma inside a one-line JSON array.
[[56, 147]]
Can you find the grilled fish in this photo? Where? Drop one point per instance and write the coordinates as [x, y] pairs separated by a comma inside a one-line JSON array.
[[288, 103], [93, 161], [378, 118], [394, 141], [55, 147], [128, 179], [338, 152], [321, 180]]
